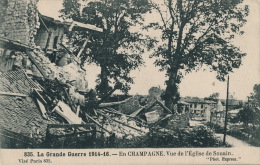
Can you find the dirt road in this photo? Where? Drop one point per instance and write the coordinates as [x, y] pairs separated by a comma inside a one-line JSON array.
[[234, 141]]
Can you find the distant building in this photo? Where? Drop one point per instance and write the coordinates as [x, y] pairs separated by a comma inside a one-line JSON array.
[[211, 111], [199, 108], [218, 115]]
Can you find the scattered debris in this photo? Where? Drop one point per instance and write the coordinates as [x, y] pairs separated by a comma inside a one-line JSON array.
[[64, 110], [43, 89], [152, 116]]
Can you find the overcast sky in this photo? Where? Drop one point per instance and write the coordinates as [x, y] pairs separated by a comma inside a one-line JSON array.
[[201, 83]]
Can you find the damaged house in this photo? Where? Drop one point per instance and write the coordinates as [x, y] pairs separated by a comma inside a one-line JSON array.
[[44, 95], [43, 89], [27, 41]]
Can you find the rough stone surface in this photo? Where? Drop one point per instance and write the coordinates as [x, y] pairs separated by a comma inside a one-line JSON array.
[[19, 20]]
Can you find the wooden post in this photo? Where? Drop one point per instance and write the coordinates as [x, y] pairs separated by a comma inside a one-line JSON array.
[[83, 47], [94, 136], [47, 141], [225, 125]]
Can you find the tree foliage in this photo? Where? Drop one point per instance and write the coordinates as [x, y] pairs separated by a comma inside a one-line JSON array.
[[118, 49], [255, 96], [213, 96], [246, 115], [251, 111], [197, 33]]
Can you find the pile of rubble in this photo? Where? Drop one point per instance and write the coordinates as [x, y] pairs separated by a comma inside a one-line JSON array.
[[68, 73], [30, 105], [37, 95]]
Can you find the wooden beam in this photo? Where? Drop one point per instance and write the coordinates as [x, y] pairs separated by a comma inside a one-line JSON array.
[[96, 122], [35, 63], [119, 122], [13, 94], [15, 43], [102, 105], [83, 47], [78, 109], [42, 109], [162, 119], [143, 109], [114, 112], [71, 26], [61, 44], [119, 113], [76, 59], [49, 32], [86, 26], [135, 113], [87, 125], [40, 16], [40, 97], [163, 106], [71, 134]]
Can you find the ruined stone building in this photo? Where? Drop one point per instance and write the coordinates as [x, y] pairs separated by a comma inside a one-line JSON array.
[[28, 41]]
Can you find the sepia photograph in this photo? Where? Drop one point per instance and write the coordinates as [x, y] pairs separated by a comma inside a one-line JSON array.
[[138, 75]]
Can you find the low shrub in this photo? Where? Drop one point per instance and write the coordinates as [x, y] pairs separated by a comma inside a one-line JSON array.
[[195, 137], [215, 127]]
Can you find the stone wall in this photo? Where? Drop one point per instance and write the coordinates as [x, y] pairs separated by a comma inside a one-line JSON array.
[[20, 21]]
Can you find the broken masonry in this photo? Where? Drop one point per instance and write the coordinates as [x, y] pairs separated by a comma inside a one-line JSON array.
[[44, 93]]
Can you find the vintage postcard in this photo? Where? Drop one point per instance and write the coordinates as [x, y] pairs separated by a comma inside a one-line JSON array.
[[129, 82]]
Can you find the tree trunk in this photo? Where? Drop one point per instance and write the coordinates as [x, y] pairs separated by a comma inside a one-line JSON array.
[[104, 85], [171, 93]]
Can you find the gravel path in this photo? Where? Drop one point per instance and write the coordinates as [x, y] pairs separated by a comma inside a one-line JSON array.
[[229, 139], [233, 141]]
